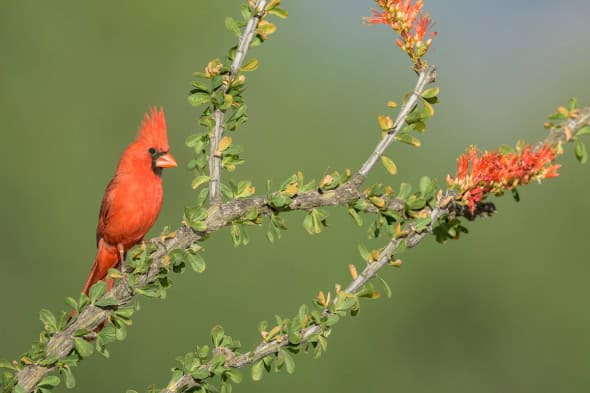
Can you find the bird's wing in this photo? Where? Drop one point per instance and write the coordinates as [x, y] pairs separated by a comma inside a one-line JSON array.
[[105, 209]]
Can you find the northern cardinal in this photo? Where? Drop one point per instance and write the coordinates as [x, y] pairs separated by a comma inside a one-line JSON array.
[[132, 200]]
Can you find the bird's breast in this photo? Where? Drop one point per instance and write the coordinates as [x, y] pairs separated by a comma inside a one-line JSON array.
[[135, 206]]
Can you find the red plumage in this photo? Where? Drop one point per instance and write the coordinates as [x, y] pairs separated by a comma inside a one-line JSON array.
[[133, 198]]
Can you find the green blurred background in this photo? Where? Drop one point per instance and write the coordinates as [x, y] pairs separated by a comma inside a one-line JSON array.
[[504, 309]]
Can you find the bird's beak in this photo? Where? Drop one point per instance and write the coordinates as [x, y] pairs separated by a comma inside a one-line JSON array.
[[166, 161]]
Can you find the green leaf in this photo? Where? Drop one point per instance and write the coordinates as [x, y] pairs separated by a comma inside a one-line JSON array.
[[96, 291], [289, 362], [281, 13], [217, 335], [405, 137], [196, 262], [279, 200], [200, 87], [232, 26], [426, 186], [257, 370], [364, 252], [583, 131], [7, 365], [431, 93], [404, 191], [200, 373], [572, 104], [69, 377], [385, 286], [250, 65], [506, 149], [422, 224], [49, 320], [83, 347], [70, 301], [389, 165], [315, 221], [106, 302], [199, 98], [19, 389], [355, 216], [581, 152], [151, 290], [49, 381], [199, 180], [234, 376]]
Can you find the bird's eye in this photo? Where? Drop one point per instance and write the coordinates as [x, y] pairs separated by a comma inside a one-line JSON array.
[[151, 150]]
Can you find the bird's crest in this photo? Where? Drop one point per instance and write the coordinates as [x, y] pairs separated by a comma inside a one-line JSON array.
[[153, 130]]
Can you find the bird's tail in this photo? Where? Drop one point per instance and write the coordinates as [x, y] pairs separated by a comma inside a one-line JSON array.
[[107, 257]]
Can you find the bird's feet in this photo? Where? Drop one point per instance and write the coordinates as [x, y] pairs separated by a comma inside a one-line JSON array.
[[121, 250]]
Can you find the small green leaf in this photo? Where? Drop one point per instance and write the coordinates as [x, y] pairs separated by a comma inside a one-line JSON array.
[[19, 389], [426, 186], [431, 93], [217, 335], [232, 26], [355, 216], [83, 347], [7, 365], [250, 65], [385, 286], [96, 291], [196, 262], [405, 190], [405, 137], [364, 252], [572, 104], [199, 98], [583, 131], [289, 362], [581, 152], [199, 180], [49, 321], [234, 376], [281, 13], [257, 370], [200, 87], [106, 302], [389, 165], [69, 377], [200, 373], [49, 381], [315, 221], [506, 149]]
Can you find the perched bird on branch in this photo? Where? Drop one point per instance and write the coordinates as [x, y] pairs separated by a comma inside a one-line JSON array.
[[133, 198]]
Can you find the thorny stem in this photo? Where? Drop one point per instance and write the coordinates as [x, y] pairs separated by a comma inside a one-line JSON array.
[[214, 158], [425, 77]]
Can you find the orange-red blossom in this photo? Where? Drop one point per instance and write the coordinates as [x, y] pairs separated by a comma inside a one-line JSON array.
[[496, 172], [407, 19]]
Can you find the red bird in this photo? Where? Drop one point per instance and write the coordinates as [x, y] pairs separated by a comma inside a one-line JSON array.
[[132, 200]]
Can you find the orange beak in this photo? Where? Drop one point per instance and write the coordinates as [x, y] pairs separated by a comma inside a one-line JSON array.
[[166, 161]]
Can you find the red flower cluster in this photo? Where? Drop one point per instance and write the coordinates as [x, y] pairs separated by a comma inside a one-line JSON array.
[[406, 18], [495, 172]]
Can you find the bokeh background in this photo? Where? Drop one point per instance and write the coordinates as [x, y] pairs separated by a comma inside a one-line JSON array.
[[504, 309]]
